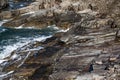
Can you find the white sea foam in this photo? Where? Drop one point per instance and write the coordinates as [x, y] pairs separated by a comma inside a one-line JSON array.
[[42, 38], [14, 56], [2, 30], [1, 61], [21, 5], [21, 42], [1, 23], [21, 27], [54, 27], [10, 48], [4, 21]]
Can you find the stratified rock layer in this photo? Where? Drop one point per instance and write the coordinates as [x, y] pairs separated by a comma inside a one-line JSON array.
[[104, 8], [88, 50]]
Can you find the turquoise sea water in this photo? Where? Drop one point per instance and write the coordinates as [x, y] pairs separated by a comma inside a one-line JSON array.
[[12, 38]]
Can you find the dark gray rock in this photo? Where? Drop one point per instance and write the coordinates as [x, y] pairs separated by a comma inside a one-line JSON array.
[[3, 4]]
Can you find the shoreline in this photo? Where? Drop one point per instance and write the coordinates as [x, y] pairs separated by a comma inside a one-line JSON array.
[[90, 46]]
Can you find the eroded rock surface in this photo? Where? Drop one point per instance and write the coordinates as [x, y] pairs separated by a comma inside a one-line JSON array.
[[50, 9], [88, 50]]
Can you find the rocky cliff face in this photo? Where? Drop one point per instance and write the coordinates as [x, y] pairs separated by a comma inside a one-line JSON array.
[[88, 50], [104, 8]]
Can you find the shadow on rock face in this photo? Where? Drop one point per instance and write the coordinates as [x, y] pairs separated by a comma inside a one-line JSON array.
[[41, 73], [3, 4]]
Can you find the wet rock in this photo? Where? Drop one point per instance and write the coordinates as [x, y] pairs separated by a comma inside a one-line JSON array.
[[61, 60], [33, 61]]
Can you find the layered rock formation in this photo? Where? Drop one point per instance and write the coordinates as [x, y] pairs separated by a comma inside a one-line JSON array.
[[89, 50], [104, 8]]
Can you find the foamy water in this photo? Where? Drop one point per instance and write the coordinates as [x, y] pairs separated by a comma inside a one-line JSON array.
[[12, 39], [3, 21], [7, 49]]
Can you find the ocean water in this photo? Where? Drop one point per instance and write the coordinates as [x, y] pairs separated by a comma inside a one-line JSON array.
[[20, 4], [13, 38]]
